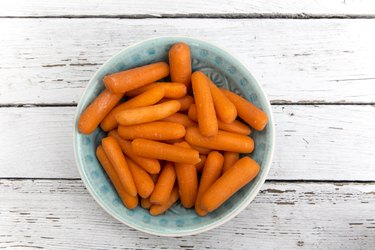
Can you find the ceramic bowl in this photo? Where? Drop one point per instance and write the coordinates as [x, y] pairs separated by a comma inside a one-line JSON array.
[[225, 71]]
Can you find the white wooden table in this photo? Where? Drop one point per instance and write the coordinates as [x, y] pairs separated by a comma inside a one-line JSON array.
[[315, 59]]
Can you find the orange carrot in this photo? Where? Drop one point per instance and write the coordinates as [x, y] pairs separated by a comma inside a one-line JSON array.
[[153, 131], [234, 127], [147, 98], [124, 81], [225, 109], [187, 179], [174, 141], [185, 102], [142, 180], [199, 166], [201, 150], [241, 173], [229, 159], [207, 120], [113, 151], [180, 63], [211, 172], [164, 151], [180, 118], [192, 112], [255, 117], [172, 90], [164, 185], [96, 111], [152, 166], [145, 203], [159, 209], [128, 200], [225, 141], [147, 114]]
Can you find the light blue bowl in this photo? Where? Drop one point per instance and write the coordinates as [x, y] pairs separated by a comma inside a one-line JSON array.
[[223, 69]]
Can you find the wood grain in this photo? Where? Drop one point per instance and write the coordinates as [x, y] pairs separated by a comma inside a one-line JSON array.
[[258, 8], [312, 143], [61, 214], [47, 61]]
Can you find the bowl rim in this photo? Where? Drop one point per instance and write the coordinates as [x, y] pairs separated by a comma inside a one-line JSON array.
[[244, 66]]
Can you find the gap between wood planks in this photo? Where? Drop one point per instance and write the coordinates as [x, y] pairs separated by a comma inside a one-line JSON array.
[[274, 103], [336, 182], [214, 16]]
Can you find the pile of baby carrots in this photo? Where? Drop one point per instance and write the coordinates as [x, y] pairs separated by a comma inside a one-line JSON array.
[[165, 145]]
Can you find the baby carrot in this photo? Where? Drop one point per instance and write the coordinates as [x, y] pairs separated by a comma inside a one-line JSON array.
[[172, 90], [147, 98], [147, 114], [199, 166], [225, 109], [180, 63], [180, 118], [229, 159], [225, 141], [124, 81], [201, 150], [185, 102], [234, 127], [241, 173], [128, 200], [145, 203], [174, 141], [187, 179], [192, 112], [142, 180], [96, 111], [159, 209], [164, 185], [251, 114], [153, 131], [152, 166], [164, 151], [113, 151], [211, 172], [207, 120]]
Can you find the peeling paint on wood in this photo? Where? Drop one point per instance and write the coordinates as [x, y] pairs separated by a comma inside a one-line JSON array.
[[320, 159], [72, 214], [309, 66], [305, 66], [165, 8]]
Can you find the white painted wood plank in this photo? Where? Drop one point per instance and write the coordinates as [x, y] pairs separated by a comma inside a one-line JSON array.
[[312, 143], [61, 214], [37, 142], [51, 60], [327, 142], [169, 7]]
